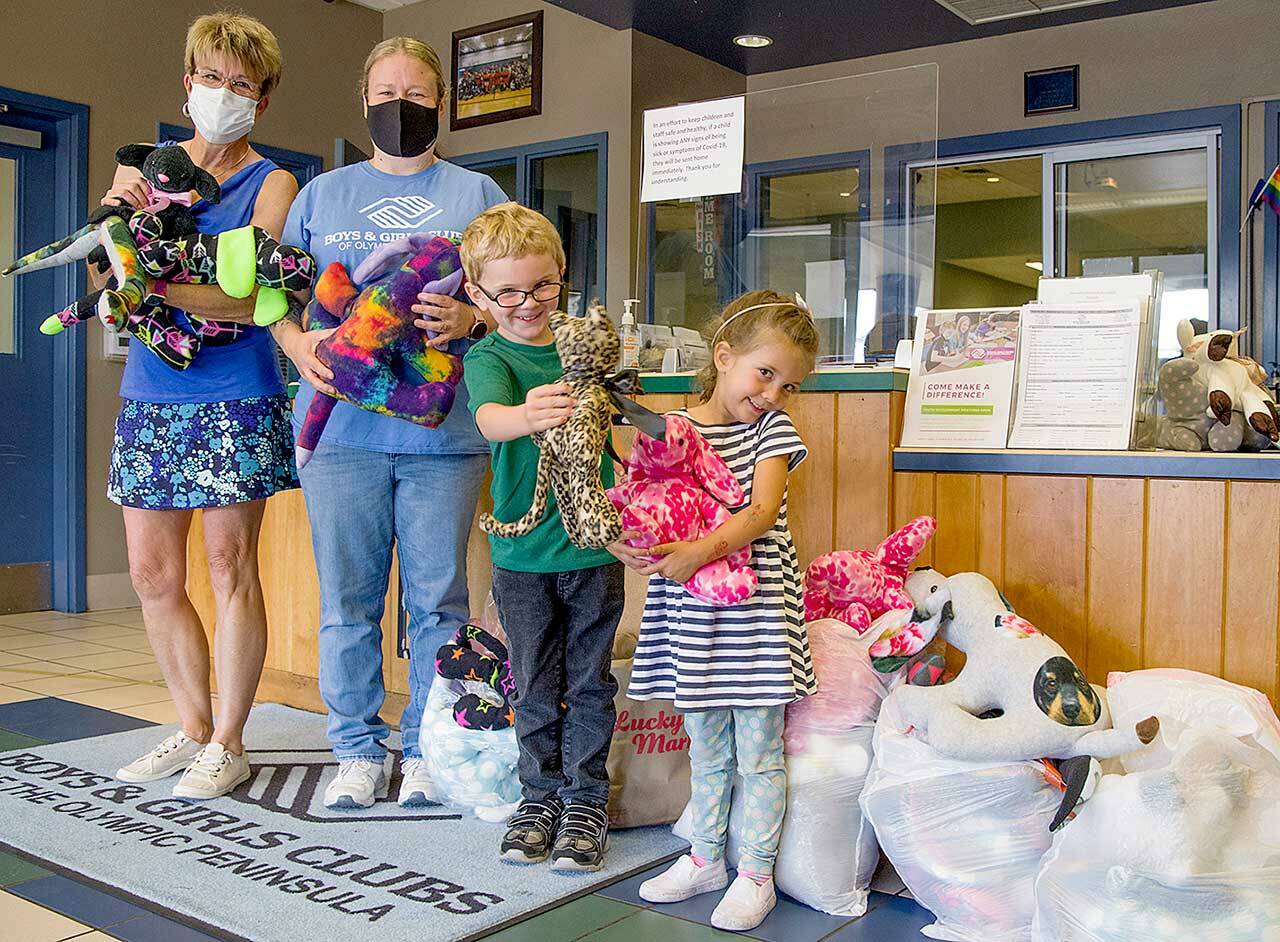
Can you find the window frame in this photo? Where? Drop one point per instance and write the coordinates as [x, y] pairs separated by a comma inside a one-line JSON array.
[[1224, 119], [523, 157]]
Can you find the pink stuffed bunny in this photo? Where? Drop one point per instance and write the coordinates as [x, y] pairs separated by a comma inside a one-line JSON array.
[[858, 587], [676, 490]]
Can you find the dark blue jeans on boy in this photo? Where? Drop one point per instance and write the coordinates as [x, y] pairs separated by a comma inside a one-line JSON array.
[[560, 628]]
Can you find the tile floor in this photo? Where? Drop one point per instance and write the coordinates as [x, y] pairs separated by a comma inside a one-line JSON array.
[[68, 677]]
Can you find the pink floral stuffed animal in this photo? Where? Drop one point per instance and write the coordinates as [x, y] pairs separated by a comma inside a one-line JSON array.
[[680, 489], [857, 587]]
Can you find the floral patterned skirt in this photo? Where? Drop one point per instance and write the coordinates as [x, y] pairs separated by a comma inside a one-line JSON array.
[[184, 455]]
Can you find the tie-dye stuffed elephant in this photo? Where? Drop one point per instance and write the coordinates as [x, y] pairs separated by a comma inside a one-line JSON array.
[[380, 361]]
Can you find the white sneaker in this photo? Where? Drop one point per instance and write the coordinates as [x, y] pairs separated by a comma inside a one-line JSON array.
[[172, 755], [684, 879], [356, 785], [213, 773], [415, 783], [744, 906]]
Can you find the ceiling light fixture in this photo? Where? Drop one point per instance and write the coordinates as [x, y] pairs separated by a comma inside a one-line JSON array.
[[993, 179], [846, 194], [1035, 266], [752, 41]]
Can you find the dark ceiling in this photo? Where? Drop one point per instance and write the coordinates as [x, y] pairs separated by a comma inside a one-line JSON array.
[[806, 32]]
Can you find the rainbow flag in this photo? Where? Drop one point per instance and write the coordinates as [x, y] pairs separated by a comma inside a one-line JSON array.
[[1268, 191]]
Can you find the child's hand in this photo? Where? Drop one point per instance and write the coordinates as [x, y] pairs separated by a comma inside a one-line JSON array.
[[548, 406], [630, 556], [679, 561]]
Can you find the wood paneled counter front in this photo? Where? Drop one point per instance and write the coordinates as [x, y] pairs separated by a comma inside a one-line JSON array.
[[1125, 569]]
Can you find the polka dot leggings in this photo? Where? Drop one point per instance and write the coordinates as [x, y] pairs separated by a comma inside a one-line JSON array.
[[749, 740]]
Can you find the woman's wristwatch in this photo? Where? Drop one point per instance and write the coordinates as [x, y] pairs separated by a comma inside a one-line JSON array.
[[479, 328]]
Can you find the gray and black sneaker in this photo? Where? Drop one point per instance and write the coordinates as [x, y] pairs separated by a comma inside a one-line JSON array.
[[581, 839], [531, 830]]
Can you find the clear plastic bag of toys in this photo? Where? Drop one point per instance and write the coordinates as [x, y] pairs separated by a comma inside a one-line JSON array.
[[1187, 851], [965, 837], [826, 855], [1184, 700], [472, 769]]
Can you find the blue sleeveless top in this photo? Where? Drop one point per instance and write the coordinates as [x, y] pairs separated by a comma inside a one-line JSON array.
[[239, 370]]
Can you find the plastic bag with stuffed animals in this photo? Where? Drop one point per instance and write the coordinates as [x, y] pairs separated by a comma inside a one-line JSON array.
[[470, 768], [1185, 700], [826, 856], [1187, 845], [467, 737], [965, 837], [1188, 851]]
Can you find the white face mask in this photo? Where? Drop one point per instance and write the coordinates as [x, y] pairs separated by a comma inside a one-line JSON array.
[[219, 114]]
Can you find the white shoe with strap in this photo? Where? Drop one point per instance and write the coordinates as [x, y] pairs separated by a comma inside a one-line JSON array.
[[416, 788], [356, 785]]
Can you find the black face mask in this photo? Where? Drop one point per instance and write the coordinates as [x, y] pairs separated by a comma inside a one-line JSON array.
[[403, 128]]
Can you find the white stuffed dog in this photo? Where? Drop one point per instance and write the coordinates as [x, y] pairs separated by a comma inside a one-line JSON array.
[[1047, 708]]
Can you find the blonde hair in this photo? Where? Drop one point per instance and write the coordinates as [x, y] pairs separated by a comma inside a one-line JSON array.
[[408, 46], [776, 312], [238, 37], [508, 230]]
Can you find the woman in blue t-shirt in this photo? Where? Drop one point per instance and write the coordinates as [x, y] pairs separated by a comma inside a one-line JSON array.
[[214, 436], [376, 480]]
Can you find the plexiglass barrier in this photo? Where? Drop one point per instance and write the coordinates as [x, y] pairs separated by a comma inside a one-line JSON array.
[[816, 213]]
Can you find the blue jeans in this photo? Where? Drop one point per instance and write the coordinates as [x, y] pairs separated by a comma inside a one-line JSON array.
[[359, 502], [560, 628], [750, 741]]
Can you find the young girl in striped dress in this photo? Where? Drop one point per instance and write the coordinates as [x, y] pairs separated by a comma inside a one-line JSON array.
[[733, 670]]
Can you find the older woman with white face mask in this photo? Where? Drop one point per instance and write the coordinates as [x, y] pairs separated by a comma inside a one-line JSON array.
[[215, 435]]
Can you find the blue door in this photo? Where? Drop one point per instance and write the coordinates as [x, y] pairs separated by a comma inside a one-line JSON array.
[[27, 183]]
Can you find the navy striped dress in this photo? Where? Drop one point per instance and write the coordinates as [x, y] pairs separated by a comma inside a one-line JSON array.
[[755, 654]]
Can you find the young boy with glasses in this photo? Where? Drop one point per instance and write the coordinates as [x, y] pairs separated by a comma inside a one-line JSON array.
[[559, 604]]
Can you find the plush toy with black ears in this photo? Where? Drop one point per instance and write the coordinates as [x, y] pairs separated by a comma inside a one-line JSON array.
[[1046, 708], [161, 241]]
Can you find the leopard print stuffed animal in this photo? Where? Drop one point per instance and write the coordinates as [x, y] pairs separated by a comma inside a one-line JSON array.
[[569, 462]]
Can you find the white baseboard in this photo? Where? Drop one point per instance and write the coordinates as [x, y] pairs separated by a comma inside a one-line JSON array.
[[110, 590]]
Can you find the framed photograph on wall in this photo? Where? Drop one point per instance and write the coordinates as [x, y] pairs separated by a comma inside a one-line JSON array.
[[497, 72]]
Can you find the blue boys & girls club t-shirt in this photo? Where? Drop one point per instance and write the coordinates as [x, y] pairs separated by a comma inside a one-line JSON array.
[[239, 370], [342, 216]]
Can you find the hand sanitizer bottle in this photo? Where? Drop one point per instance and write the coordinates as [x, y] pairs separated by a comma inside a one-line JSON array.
[[630, 335]]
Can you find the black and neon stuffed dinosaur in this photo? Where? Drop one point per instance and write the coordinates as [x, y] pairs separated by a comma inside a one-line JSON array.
[[160, 241], [460, 659]]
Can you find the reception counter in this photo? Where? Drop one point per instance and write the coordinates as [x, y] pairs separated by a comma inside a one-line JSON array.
[[1128, 559]]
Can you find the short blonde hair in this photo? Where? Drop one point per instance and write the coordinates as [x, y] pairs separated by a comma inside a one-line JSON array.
[[238, 37], [508, 230], [408, 46]]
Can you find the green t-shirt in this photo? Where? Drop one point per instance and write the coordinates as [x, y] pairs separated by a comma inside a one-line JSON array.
[[502, 371]]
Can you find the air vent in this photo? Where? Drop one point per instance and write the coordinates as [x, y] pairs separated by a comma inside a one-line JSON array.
[[989, 11]]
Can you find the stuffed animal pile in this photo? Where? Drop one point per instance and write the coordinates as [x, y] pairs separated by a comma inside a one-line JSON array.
[[569, 456], [1186, 844], [160, 241], [1213, 396], [468, 737], [380, 361], [677, 489], [1047, 709]]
